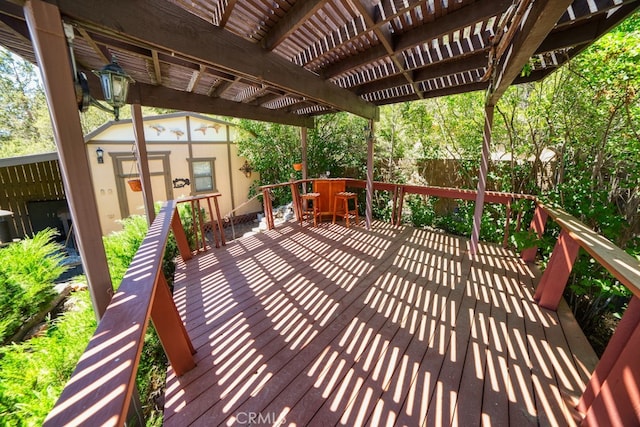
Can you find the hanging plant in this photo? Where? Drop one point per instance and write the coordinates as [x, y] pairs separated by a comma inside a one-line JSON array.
[[135, 184]]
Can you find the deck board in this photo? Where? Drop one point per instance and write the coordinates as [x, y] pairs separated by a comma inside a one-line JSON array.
[[393, 326]]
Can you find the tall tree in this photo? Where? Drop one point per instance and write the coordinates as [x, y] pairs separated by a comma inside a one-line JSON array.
[[24, 120]]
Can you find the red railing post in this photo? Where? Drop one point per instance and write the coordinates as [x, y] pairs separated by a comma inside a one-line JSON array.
[[507, 222], [295, 198], [180, 236], [400, 205], [171, 331], [613, 394], [555, 276], [395, 205], [600, 401], [268, 209], [215, 196], [537, 225]]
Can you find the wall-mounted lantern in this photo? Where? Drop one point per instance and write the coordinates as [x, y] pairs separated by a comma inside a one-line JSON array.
[[246, 169], [115, 86], [100, 155], [113, 79]]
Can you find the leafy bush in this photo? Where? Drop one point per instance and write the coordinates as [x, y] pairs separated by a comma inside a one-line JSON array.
[[382, 206], [460, 220], [422, 211], [33, 373], [121, 246], [27, 272]]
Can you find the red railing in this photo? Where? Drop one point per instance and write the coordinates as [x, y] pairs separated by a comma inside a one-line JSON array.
[[398, 192], [100, 389], [612, 396]]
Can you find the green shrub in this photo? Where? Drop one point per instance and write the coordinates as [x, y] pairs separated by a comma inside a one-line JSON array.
[[27, 273], [121, 246], [33, 373], [422, 211]]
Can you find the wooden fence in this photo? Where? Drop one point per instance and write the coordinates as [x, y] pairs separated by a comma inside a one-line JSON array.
[[28, 179]]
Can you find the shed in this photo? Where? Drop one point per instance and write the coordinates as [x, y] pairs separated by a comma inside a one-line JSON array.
[[188, 154]]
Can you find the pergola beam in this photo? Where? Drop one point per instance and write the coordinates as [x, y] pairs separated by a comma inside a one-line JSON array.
[[382, 33], [458, 20], [582, 10], [586, 31], [195, 78], [157, 71], [101, 52], [299, 13], [222, 87], [146, 21], [432, 71], [227, 12], [163, 97], [539, 21]]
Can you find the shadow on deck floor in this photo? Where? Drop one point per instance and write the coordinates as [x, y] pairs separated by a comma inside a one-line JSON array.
[[393, 326]]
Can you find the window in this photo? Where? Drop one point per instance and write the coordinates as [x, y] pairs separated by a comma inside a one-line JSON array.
[[202, 175]]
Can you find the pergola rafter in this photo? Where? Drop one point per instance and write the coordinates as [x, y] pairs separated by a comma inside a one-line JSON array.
[[337, 55]]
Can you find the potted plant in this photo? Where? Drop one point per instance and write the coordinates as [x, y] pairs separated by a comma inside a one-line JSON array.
[[297, 167], [135, 184]]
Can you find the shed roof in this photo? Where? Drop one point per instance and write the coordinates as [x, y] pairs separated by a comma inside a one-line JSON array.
[[286, 61]]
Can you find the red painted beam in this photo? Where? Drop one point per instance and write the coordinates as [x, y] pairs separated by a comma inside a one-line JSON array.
[[555, 276]]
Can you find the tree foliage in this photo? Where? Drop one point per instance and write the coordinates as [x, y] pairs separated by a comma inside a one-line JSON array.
[[25, 127], [25, 124]]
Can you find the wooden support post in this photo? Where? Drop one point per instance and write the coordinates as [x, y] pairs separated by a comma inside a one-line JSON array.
[[400, 205], [213, 226], [555, 276], [194, 224], [143, 162], [268, 209], [369, 186], [537, 225], [621, 337], [395, 204], [482, 178], [223, 239], [297, 205], [200, 220], [52, 55], [614, 389], [303, 148], [180, 236], [507, 220], [171, 331]]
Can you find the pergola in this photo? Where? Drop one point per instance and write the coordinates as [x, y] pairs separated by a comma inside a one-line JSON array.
[[287, 61]]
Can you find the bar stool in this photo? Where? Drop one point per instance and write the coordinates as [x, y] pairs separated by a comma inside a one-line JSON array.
[[313, 210], [345, 196]]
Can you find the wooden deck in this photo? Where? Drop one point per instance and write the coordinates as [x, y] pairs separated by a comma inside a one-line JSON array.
[[395, 326]]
